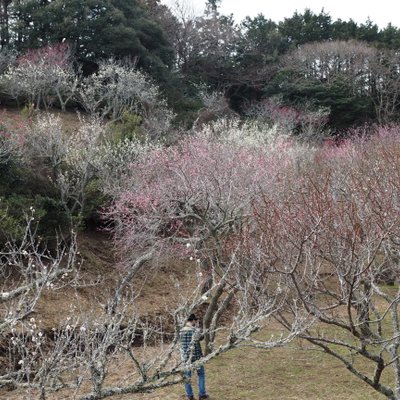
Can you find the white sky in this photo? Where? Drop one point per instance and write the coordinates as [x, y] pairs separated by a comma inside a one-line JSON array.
[[380, 12]]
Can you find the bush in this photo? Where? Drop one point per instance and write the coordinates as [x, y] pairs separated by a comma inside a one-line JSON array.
[[24, 195], [95, 200], [17, 209], [128, 127]]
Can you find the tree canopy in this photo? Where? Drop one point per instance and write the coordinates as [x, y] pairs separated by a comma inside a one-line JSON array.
[[96, 30], [245, 60]]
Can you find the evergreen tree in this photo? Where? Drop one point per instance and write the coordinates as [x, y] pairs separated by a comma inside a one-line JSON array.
[[368, 32], [4, 22], [96, 29], [306, 27], [344, 30], [389, 37]]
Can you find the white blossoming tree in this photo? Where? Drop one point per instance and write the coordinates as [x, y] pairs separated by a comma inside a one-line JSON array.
[[42, 77], [116, 89], [27, 269]]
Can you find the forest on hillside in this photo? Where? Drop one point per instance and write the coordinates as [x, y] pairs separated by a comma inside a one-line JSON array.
[[308, 62], [250, 170]]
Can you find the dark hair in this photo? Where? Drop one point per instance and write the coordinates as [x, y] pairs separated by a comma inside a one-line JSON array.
[[192, 317]]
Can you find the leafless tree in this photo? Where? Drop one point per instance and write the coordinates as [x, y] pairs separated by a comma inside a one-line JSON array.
[[205, 224], [269, 230], [385, 85], [46, 144], [324, 61], [203, 42], [337, 246], [70, 157], [366, 70], [28, 269], [82, 353]]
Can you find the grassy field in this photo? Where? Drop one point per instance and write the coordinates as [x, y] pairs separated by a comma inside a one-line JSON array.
[[278, 374]]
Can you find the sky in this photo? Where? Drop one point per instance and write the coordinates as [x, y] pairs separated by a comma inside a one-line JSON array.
[[381, 12]]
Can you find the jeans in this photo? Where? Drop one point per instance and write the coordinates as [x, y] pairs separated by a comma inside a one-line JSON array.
[[202, 382]]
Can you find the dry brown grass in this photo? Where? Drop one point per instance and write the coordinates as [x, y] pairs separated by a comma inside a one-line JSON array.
[[279, 374], [249, 374]]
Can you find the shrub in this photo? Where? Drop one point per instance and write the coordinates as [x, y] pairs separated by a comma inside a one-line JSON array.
[[127, 128]]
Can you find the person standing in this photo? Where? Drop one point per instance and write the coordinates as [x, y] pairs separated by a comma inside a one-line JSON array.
[[190, 349]]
